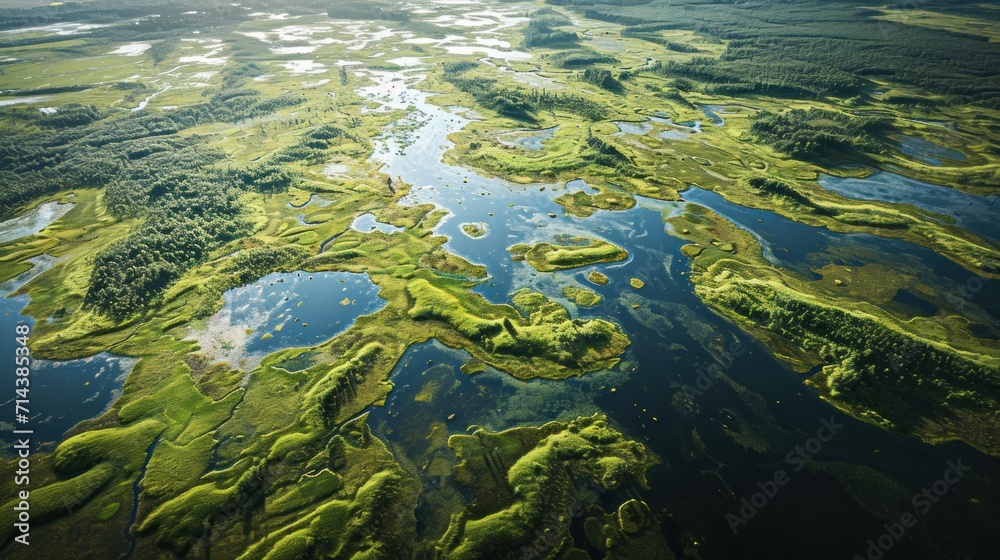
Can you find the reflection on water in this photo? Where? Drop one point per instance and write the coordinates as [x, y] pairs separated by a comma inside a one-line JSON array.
[[927, 151], [978, 214], [33, 221], [712, 112], [367, 222], [717, 439], [62, 393], [528, 139], [638, 129], [806, 249], [285, 310]]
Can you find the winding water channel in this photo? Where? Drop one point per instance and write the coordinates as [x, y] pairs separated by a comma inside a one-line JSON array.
[[720, 443], [717, 443]]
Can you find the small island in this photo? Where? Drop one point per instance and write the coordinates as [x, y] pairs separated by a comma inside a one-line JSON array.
[[585, 205], [598, 278], [475, 230], [571, 252], [582, 296]]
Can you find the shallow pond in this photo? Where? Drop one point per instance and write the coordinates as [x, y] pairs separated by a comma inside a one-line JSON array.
[[636, 128], [20, 100], [927, 151], [367, 222], [674, 135], [285, 310], [530, 140], [713, 113]]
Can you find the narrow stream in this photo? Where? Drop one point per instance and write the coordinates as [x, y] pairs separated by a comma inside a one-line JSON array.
[[136, 492]]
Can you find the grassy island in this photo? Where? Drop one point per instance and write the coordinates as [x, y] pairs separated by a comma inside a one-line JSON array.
[[571, 252]]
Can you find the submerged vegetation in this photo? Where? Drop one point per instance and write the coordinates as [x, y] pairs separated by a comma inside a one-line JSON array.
[[890, 372], [205, 146]]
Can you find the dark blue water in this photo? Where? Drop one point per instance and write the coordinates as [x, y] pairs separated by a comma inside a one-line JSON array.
[[927, 151], [287, 310], [806, 249], [978, 214], [61, 393], [717, 443]]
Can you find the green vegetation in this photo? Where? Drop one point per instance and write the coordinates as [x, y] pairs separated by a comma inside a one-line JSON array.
[[579, 58], [570, 252], [601, 78], [584, 205], [523, 478], [820, 133], [847, 49], [365, 10], [896, 373], [183, 193], [540, 341], [475, 230], [597, 278], [541, 33], [582, 296]]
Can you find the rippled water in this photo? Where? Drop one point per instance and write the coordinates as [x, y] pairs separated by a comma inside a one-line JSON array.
[[978, 214], [730, 435], [33, 221], [286, 310]]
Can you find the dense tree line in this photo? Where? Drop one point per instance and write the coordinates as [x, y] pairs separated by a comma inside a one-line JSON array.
[[578, 58], [190, 217], [866, 353], [788, 78], [312, 146], [188, 207], [601, 78], [540, 33], [588, 3], [187, 203], [171, 15], [515, 103], [817, 132], [365, 9], [809, 49], [522, 105], [81, 145], [607, 155]]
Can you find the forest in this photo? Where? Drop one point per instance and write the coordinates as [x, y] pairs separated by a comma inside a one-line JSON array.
[[432, 279], [364, 10], [519, 104], [187, 206], [86, 146], [815, 132], [813, 49]]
